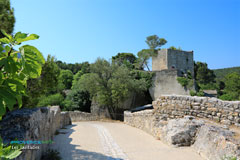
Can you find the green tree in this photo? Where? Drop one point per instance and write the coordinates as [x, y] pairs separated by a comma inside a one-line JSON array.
[[232, 87], [7, 19], [45, 85], [73, 67], [84, 69], [203, 74], [49, 76], [110, 84], [66, 78], [127, 59], [154, 43], [78, 99], [143, 57], [51, 100]]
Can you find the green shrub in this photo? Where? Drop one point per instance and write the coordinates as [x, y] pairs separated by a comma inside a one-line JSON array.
[[200, 93], [183, 81], [77, 99], [55, 99], [209, 86], [193, 93], [227, 97]]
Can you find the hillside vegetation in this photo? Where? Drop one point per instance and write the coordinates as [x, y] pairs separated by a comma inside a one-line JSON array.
[[221, 73]]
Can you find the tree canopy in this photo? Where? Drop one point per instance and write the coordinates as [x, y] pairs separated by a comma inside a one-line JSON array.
[[203, 74], [7, 19], [110, 84], [66, 78], [155, 42], [232, 87]]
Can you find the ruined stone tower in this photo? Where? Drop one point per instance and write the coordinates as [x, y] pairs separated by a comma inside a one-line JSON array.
[[168, 59], [168, 65]]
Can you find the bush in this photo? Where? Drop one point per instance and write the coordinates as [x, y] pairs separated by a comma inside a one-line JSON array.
[[193, 93], [227, 97], [77, 100], [200, 93], [55, 99], [183, 81], [209, 86]]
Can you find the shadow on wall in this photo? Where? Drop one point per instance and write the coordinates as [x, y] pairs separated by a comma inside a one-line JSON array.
[[69, 151]]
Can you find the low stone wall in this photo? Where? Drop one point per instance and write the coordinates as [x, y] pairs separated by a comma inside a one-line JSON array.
[[77, 116], [172, 106], [144, 120], [184, 121], [37, 124], [65, 119], [212, 142]]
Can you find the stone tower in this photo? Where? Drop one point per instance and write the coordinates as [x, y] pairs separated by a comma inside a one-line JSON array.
[[168, 65], [168, 59]]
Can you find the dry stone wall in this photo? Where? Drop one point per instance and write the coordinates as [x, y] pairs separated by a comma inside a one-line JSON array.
[[172, 106], [77, 116]]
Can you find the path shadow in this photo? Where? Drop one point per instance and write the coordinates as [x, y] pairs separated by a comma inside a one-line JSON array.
[[62, 144]]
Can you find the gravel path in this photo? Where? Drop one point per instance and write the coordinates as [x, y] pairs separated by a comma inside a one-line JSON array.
[[114, 141]]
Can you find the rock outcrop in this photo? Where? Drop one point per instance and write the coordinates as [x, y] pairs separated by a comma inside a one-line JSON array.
[[180, 132], [214, 142]]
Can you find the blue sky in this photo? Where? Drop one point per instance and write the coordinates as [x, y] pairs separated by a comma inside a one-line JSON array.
[[82, 30]]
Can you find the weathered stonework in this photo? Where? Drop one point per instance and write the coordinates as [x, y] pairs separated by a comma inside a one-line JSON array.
[[165, 82], [77, 116], [37, 124], [173, 121], [167, 59], [65, 119], [168, 65], [225, 112], [214, 143]]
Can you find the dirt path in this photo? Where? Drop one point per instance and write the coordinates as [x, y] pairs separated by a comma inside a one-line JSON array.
[[114, 141]]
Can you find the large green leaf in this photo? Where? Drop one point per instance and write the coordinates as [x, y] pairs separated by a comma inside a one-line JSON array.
[[4, 40], [2, 61], [33, 60], [33, 50], [22, 38], [20, 35], [7, 95], [13, 154]]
